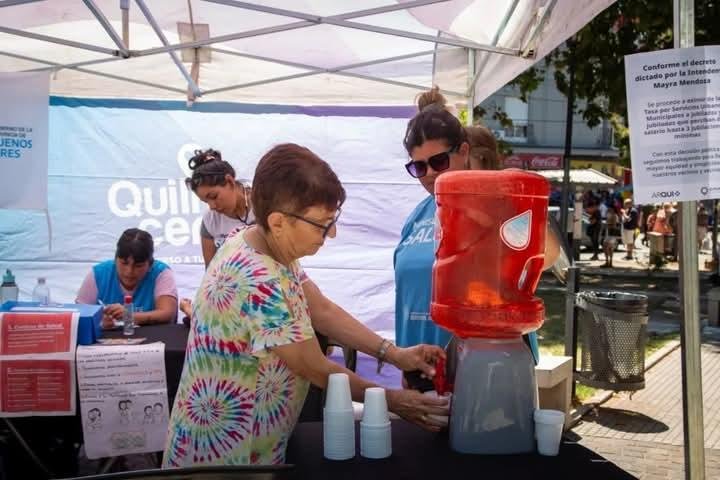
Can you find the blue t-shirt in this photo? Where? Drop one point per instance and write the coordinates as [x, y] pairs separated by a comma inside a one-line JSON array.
[[414, 258], [110, 291]]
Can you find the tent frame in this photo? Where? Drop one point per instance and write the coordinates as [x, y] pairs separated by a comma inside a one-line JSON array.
[[305, 20]]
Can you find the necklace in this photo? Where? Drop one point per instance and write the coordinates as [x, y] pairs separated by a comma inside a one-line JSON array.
[[244, 219]]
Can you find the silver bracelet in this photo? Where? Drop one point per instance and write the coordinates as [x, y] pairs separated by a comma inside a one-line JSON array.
[[382, 352]]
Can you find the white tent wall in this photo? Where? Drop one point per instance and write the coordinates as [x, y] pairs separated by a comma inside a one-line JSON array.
[[119, 164]]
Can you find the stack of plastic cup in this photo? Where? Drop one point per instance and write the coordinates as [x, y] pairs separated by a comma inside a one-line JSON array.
[[548, 431], [338, 419], [375, 434]]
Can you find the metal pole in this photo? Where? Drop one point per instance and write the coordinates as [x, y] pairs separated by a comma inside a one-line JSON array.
[[568, 142], [470, 91], [684, 36], [572, 288]]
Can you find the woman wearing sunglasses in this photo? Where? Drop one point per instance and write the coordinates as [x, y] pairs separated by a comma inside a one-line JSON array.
[[252, 352], [436, 143]]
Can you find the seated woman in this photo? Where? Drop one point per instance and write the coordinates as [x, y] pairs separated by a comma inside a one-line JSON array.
[[133, 272], [252, 352]]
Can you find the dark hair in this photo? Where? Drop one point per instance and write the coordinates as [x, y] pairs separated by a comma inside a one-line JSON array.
[[158, 403], [208, 169], [95, 410], [291, 178], [480, 137], [137, 244], [434, 122], [146, 408], [431, 97]]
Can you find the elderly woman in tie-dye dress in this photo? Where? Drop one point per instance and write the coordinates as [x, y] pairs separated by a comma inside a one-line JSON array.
[[252, 352]]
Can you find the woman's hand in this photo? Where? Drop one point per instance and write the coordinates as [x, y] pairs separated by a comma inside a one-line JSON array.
[[111, 313], [420, 357], [415, 407], [186, 307]]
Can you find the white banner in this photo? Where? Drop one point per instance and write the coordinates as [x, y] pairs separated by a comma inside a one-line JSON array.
[[674, 117], [24, 140], [125, 167], [123, 399]]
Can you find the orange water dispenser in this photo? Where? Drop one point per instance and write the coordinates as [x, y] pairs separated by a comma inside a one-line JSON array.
[[490, 244]]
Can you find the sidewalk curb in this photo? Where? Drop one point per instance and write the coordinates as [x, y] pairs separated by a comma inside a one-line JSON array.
[[603, 396]]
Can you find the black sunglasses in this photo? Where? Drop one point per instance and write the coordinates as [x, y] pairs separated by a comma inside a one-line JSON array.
[[438, 162], [325, 228]]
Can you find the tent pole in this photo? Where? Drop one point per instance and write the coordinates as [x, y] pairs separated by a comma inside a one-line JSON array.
[[683, 37], [158, 31], [528, 49], [57, 66], [60, 41], [471, 91], [107, 27], [125, 10], [339, 21], [564, 200], [496, 38], [10, 3]]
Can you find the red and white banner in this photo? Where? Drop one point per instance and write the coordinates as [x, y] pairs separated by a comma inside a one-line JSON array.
[[533, 161], [37, 363]]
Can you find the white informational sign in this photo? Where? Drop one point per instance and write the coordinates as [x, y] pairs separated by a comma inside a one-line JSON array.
[[24, 140], [123, 398], [674, 116], [37, 363]]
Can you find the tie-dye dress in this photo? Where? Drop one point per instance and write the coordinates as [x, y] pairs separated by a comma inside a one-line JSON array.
[[238, 402]]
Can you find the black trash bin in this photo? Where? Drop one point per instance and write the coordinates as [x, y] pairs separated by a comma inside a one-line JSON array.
[[612, 332]]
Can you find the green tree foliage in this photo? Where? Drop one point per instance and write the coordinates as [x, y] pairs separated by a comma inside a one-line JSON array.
[[624, 28]]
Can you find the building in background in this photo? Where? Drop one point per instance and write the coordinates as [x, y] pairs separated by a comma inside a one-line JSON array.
[[537, 137]]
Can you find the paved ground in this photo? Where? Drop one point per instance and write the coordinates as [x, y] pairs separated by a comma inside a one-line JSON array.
[[643, 433]]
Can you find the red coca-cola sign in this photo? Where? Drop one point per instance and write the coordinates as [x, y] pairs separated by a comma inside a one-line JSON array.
[[533, 161]]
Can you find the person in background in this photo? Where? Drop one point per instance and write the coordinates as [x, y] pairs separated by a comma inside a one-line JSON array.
[[630, 219], [702, 224], [213, 181], [134, 272], [594, 228], [662, 217], [436, 143], [252, 352], [613, 222]]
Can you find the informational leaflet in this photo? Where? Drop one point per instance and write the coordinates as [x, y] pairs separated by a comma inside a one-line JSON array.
[[674, 117], [37, 363], [123, 398]]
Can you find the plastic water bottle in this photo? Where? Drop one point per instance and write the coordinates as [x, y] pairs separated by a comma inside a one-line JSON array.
[[129, 316], [41, 292], [9, 289]]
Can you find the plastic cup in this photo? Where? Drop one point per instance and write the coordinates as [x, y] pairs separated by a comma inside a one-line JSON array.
[[442, 420], [338, 396], [375, 440], [375, 409], [548, 430], [338, 434]]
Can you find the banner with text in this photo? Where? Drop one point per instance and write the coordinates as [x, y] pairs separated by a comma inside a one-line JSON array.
[[117, 164], [24, 140], [674, 117]]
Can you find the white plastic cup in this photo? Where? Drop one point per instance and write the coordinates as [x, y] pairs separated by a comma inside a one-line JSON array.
[[548, 431], [338, 434], [375, 440], [337, 396], [375, 409], [441, 420]]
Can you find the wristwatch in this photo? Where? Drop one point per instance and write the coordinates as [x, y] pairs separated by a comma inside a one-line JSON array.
[[382, 352]]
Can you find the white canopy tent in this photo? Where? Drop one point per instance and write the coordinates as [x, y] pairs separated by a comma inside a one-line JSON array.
[[279, 51]]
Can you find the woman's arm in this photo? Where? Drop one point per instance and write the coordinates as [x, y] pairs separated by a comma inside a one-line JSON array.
[[306, 360], [334, 322], [208, 249], [165, 311], [552, 248]]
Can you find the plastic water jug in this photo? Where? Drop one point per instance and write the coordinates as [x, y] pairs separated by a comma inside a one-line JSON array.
[[490, 231]]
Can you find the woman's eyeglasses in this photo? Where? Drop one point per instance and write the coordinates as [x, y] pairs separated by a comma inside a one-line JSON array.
[[438, 162], [325, 228]]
